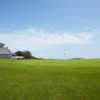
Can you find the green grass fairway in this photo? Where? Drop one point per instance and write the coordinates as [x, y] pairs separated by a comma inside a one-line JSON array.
[[50, 79]]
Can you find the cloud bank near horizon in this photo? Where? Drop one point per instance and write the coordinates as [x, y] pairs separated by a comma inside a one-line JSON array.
[[36, 38]]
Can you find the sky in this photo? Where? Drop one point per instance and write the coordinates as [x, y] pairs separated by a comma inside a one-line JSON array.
[[58, 29]]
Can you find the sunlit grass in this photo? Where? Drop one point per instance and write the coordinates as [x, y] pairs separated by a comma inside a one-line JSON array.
[[50, 79]]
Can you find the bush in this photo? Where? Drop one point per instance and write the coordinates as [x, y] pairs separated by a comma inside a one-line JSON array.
[[19, 53], [27, 55]]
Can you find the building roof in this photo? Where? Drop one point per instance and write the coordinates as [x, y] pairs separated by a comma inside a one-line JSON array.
[[4, 51]]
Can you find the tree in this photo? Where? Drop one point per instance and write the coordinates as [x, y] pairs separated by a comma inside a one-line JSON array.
[[27, 55], [19, 53], [2, 44]]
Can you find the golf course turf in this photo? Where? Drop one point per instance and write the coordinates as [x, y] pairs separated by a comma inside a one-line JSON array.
[[50, 79]]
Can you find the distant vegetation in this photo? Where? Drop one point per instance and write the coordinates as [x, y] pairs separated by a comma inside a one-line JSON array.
[[77, 58], [25, 54]]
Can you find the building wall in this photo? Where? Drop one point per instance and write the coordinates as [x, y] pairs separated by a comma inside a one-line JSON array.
[[8, 56]]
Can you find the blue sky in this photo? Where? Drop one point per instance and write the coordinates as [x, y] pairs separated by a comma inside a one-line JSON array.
[[48, 28]]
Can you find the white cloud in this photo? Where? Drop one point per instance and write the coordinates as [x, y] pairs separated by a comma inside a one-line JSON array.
[[35, 38]]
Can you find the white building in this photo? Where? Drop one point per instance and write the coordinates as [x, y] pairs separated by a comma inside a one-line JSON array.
[[4, 51]]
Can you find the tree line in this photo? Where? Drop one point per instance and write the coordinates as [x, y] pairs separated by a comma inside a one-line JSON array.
[[25, 54]]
